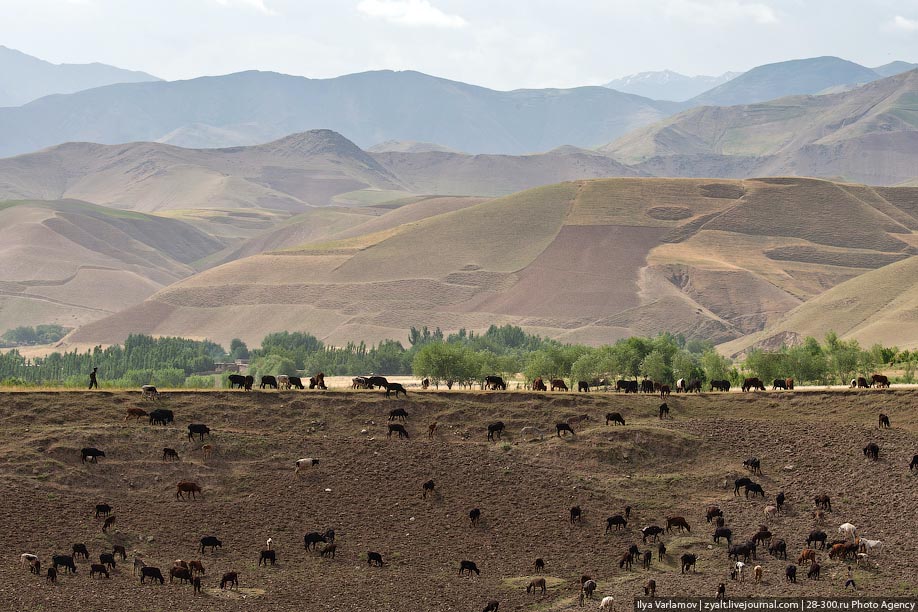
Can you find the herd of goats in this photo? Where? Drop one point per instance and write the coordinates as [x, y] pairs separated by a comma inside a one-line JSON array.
[[849, 547]]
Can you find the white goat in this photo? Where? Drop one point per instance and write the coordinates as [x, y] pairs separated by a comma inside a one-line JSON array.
[[607, 604], [848, 530]]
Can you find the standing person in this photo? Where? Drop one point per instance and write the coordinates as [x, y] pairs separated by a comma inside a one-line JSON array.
[[850, 579], [93, 383]]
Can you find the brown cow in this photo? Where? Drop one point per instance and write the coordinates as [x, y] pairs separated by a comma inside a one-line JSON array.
[[677, 521], [186, 486], [808, 554]]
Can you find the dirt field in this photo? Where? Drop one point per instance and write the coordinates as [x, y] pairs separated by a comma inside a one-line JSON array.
[[368, 488]]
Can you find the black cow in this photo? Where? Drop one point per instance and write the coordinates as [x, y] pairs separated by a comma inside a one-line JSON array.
[[779, 383], [399, 429], [267, 555], [313, 538], [397, 388], [628, 386], [296, 382], [198, 429], [879, 381], [161, 416], [107, 559], [236, 381], [583, 385], [651, 531], [152, 573], [753, 465], [815, 537], [740, 482], [468, 566], [790, 574], [374, 558], [377, 381], [103, 510], [647, 386], [268, 381], [688, 561], [872, 451], [212, 542], [723, 532], [617, 521], [720, 385], [91, 453], [693, 385], [753, 384], [778, 549], [65, 561], [755, 488], [494, 383], [495, 428], [914, 464], [615, 417], [80, 549]]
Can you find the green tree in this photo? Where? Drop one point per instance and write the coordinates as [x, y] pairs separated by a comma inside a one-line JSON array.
[[715, 365], [655, 367], [238, 349], [766, 365]]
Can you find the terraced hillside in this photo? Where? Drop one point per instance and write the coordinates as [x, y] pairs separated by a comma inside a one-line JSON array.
[[70, 262], [368, 488], [588, 261]]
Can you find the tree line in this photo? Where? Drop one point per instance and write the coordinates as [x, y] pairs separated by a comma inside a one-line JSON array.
[[462, 357]]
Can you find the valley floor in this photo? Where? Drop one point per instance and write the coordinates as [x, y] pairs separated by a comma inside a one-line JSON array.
[[368, 488]]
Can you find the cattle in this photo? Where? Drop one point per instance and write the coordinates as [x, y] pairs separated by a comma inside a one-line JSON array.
[[539, 565], [583, 385], [108, 523], [720, 385], [755, 488], [475, 516], [664, 411], [741, 550], [694, 386], [753, 465], [397, 388], [914, 464], [149, 392], [360, 382], [872, 451], [617, 521], [536, 584], [91, 453], [198, 429], [266, 556], [558, 385], [711, 512], [677, 521], [296, 382], [119, 550], [790, 573], [377, 381], [664, 391], [647, 386], [161, 416], [628, 386], [778, 383], [723, 532], [688, 561], [824, 502], [231, 579], [651, 531], [879, 381], [495, 383], [753, 384], [182, 573], [80, 550], [210, 542], [564, 427], [779, 500], [814, 571], [398, 414], [495, 429], [268, 381], [740, 482], [492, 606], [153, 573], [427, 488], [399, 429], [374, 558], [283, 381], [883, 422], [468, 566], [329, 551], [661, 551], [65, 561], [778, 549], [576, 514], [137, 413], [789, 382], [236, 381], [318, 382], [615, 417], [103, 510], [186, 486], [171, 454], [107, 559], [312, 539]]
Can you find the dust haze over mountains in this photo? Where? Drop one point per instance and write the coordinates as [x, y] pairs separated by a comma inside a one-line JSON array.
[[243, 204]]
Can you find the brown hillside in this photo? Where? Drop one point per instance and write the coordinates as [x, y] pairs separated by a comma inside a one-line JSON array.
[[368, 488], [590, 261]]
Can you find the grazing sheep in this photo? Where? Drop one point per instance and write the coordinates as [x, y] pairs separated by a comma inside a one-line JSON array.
[[883, 422], [187, 486], [475, 516], [428, 487], [536, 584], [618, 521], [374, 558], [615, 417], [539, 566], [329, 551], [171, 454], [399, 429], [301, 464], [491, 606], [108, 523], [231, 579], [607, 604], [267, 555]]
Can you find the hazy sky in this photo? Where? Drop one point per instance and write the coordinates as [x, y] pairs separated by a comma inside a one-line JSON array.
[[504, 44]]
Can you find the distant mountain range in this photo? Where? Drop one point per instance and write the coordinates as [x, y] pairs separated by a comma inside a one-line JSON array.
[[24, 78], [368, 108], [668, 85]]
